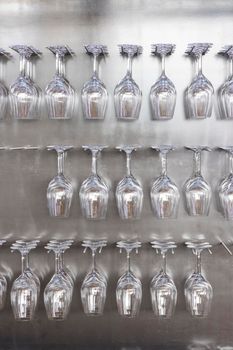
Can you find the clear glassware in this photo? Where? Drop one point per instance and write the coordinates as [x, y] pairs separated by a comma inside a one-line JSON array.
[[225, 92], [4, 55], [60, 95], [3, 285], [197, 191], [199, 94], [163, 91], [129, 193], [225, 187], [94, 286], [198, 291], [162, 288], [164, 193], [94, 94], [60, 189], [24, 94], [24, 291], [94, 192], [59, 291], [127, 94], [129, 287]]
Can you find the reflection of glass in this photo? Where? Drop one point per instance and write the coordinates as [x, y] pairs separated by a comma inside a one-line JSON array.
[[24, 94], [129, 287], [3, 285], [129, 194], [60, 190], [59, 291], [198, 291], [25, 289], [164, 193], [4, 55], [163, 92], [199, 94], [225, 188], [225, 93], [93, 191], [197, 191], [94, 286], [162, 288], [127, 94], [60, 95], [94, 93]]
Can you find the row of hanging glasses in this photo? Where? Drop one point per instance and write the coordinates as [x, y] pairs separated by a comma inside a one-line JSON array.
[[25, 96], [58, 293], [164, 193]]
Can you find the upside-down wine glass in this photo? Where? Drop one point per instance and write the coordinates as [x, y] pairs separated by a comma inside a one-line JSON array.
[[93, 191], [129, 287], [163, 91], [225, 93], [225, 188], [197, 191], [198, 291], [24, 291], [129, 194], [4, 55], [164, 193], [94, 286], [127, 94], [60, 189], [59, 291], [94, 93], [60, 95], [199, 94], [3, 284], [162, 288], [24, 95]]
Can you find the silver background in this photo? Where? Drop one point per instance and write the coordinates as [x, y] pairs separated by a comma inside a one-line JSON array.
[[25, 174]]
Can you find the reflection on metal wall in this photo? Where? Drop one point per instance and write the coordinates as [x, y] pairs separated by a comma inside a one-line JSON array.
[[25, 174]]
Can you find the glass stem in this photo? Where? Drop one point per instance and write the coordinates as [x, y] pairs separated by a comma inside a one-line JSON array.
[[94, 163], [95, 65], [231, 67], [60, 162], [163, 64], [164, 264], [198, 267], [163, 158], [128, 164], [199, 64], [230, 161], [59, 65], [197, 163], [23, 65], [129, 65], [93, 260], [128, 261], [23, 262], [57, 262]]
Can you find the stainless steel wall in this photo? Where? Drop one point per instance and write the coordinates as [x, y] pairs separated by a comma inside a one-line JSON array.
[[25, 174]]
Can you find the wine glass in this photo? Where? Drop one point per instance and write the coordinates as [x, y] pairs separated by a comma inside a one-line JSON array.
[[24, 291], [25, 96], [129, 194], [164, 193], [225, 188], [199, 94], [60, 189], [162, 288], [59, 291], [4, 55], [60, 95], [225, 93], [93, 191], [94, 286], [197, 191], [3, 284], [163, 91], [129, 287], [94, 93], [198, 291], [127, 94]]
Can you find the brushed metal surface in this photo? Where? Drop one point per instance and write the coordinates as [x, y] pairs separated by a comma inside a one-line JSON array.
[[25, 174]]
